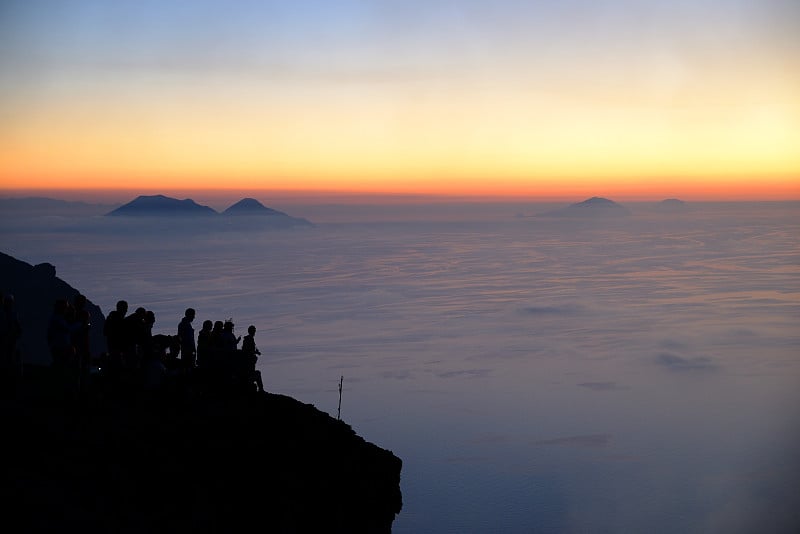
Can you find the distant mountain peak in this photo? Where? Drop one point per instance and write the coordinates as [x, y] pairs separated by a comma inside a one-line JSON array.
[[597, 201], [672, 205], [250, 206], [591, 207], [161, 205]]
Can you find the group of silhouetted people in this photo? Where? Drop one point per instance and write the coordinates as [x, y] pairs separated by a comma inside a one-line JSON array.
[[129, 338], [134, 351], [213, 354], [217, 349]]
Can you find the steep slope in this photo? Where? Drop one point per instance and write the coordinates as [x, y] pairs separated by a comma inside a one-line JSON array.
[[35, 290], [102, 453], [183, 460]]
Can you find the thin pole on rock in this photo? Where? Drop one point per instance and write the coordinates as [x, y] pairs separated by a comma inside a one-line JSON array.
[[339, 412]]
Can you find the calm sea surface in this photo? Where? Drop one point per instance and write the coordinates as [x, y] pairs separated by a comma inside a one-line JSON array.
[[535, 375]]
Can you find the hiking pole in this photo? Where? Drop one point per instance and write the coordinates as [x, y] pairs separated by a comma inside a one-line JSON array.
[[339, 412]]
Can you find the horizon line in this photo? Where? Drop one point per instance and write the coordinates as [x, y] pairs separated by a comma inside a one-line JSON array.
[[116, 194]]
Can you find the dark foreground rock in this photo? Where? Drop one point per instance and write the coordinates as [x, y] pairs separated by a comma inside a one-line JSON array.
[[113, 459], [35, 289]]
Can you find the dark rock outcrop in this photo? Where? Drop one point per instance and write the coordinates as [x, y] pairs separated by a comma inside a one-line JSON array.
[[99, 453], [35, 290], [181, 461]]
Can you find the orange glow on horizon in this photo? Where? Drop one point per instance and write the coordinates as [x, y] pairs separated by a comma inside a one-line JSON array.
[[721, 188], [636, 115]]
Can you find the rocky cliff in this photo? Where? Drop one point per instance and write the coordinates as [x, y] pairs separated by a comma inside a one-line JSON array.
[[103, 454], [35, 289]]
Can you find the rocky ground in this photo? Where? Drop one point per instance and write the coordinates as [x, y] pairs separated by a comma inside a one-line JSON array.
[[111, 458]]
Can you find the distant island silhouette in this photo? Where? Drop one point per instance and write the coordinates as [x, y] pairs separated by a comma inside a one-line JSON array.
[[251, 206], [247, 211], [105, 454], [595, 207], [160, 205], [672, 205]]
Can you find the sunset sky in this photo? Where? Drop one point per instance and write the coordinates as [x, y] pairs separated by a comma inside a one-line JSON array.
[[620, 98]]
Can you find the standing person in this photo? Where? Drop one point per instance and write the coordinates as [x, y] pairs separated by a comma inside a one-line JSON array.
[[114, 330], [216, 335], [59, 335], [216, 358], [229, 340], [146, 342], [135, 328], [186, 337], [204, 344], [80, 339], [80, 331], [249, 342], [229, 353], [250, 354]]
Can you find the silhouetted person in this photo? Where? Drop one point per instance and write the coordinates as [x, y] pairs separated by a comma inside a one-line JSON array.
[[79, 303], [135, 337], [250, 354], [204, 344], [146, 342], [216, 335], [80, 338], [155, 364], [59, 335], [114, 330], [149, 322], [60, 338], [186, 336], [80, 334], [229, 340], [173, 351], [153, 371], [214, 357], [249, 342], [233, 367]]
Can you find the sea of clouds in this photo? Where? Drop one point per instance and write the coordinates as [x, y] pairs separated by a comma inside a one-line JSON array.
[[634, 375]]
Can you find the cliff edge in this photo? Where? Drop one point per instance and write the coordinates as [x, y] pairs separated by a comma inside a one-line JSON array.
[[183, 460], [95, 451]]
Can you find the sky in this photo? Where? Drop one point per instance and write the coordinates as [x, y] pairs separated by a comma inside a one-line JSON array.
[[623, 98]]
